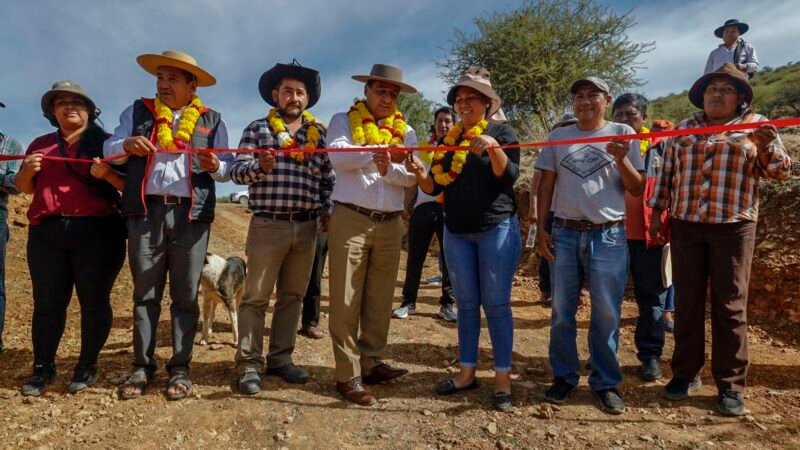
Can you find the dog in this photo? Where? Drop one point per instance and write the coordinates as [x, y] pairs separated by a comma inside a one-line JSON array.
[[222, 281]]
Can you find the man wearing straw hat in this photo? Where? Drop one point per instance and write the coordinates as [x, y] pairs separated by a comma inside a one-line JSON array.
[[289, 192], [8, 147], [366, 230], [169, 199]]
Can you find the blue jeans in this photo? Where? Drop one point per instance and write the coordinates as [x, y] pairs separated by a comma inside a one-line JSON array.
[[4, 236], [602, 257], [481, 268], [669, 303]]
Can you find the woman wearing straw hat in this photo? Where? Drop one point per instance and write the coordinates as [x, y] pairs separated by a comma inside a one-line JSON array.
[[481, 236], [76, 238]]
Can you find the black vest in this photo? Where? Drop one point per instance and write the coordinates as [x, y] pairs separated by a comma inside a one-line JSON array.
[[203, 190]]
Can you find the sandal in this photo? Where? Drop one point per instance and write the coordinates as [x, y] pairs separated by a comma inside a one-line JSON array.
[[448, 386], [139, 380], [179, 378]]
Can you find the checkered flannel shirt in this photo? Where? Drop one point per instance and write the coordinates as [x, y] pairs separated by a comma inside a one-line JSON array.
[[714, 178], [290, 186], [8, 146]]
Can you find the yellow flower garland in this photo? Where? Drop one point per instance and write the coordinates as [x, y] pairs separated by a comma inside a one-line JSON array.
[[366, 132], [286, 140], [164, 118], [644, 144], [460, 157]]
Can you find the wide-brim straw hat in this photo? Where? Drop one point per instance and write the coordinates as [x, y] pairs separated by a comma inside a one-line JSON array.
[[477, 78], [172, 58], [66, 87], [387, 74], [273, 76], [728, 71]]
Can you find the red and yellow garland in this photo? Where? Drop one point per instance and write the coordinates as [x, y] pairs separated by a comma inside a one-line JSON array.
[[366, 132], [460, 157], [286, 140], [164, 118]]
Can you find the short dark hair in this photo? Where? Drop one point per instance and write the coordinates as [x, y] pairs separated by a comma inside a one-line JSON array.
[[189, 76], [638, 101], [445, 109]]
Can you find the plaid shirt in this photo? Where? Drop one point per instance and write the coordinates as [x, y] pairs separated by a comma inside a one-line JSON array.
[[714, 178], [290, 186], [8, 146]]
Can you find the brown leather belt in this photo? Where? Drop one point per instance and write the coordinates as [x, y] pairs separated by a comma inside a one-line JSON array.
[[585, 225], [374, 215], [297, 216], [168, 199]]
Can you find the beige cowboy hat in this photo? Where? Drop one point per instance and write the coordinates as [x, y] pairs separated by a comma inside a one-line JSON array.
[[387, 74], [151, 62], [477, 78]]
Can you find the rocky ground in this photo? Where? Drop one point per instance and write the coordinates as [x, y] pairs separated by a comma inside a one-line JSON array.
[[409, 415]]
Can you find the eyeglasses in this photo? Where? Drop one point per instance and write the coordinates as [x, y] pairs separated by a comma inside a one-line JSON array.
[[727, 90]]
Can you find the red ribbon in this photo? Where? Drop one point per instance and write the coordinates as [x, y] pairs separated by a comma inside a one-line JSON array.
[[778, 123]]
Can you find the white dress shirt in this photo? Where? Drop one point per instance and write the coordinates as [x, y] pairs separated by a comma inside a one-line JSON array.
[[169, 172], [422, 197], [722, 54], [357, 179]]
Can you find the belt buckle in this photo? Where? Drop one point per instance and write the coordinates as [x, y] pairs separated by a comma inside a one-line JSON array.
[[583, 225], [168, 202], [376, 216]]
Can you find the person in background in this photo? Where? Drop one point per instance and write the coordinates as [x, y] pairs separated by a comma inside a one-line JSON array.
[[733, 49], [427, 220], [8, 147]]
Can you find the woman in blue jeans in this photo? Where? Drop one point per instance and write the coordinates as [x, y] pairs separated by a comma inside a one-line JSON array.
[[481, 236]]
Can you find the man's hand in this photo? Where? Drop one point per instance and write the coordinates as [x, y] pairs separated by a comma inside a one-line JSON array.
[[397, 156], [31, 165], [382, 160], [742, 67], [324, 220], [138, 146], [99, 169], [414, 165], [266, 159], [545, 245], [763, 137], [208, 161], [618, 149], [656, 230]]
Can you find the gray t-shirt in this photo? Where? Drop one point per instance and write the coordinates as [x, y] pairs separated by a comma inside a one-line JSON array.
[[588, 182]]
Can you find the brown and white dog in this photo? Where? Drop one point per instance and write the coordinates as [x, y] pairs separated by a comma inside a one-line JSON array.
[[222, 281]]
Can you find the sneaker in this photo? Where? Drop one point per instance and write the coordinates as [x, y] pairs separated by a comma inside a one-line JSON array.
[[83, 377], [404, 311], [610, 401], [650, 370], [290, 373], [678, 389], [435, 280], [42, 376], [448, 313], [731, 404], [558, 391]]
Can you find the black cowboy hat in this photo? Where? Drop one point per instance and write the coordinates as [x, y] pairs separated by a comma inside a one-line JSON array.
[[273, 76], [743, 27]]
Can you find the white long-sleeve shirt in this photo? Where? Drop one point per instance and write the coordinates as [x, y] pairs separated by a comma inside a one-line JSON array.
[[722, 54], [169, 173], [357, 178]]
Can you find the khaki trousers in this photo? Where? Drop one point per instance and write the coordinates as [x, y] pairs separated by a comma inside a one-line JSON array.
[[281, 252], [364, 256]]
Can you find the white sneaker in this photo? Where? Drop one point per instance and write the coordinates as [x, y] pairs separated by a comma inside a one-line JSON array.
[[404, 311]]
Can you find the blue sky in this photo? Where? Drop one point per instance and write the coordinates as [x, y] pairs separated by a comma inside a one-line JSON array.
[[96, 44]]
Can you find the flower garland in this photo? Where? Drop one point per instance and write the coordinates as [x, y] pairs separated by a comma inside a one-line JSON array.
[[164, 118], [644, 144], [460, 157], [286, 140], [365, 132]]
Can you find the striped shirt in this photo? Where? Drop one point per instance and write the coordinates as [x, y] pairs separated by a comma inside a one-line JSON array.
[[290, 186], [714, 178], [8, 146]]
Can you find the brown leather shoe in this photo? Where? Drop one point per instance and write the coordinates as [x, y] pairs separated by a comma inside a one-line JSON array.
[[354, 391], [311, 332], [383, 372]]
